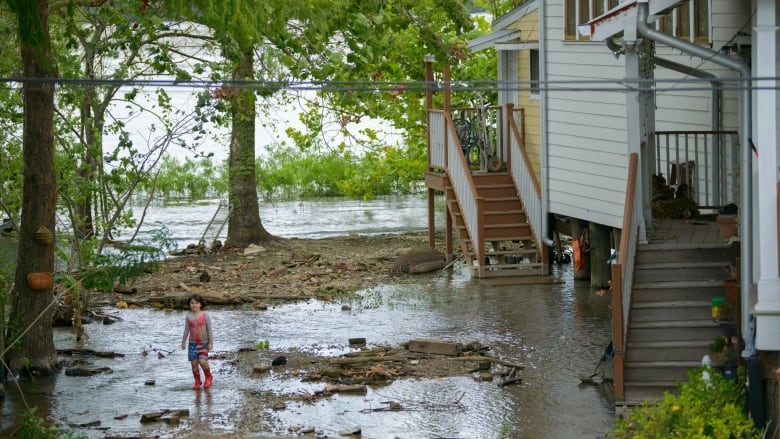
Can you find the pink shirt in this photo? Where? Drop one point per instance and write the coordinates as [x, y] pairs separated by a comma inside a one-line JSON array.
[[198, 328]]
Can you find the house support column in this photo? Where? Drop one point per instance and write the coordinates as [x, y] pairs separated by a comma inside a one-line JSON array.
[[639, 115], [767, 309]]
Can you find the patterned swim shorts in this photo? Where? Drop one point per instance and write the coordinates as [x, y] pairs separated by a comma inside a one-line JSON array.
[[197, 351]]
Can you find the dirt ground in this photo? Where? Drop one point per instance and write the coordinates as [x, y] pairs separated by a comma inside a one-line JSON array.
[[285, 269]]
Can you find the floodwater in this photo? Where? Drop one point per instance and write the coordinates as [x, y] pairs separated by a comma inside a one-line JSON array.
[[558, 331]]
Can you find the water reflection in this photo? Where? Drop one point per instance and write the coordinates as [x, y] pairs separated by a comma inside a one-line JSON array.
[[557, 331]]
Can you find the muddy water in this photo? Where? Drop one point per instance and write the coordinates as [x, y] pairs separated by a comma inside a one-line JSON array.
[[557, 330]]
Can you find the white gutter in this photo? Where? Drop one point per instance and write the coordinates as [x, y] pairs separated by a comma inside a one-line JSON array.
[[746, 173]]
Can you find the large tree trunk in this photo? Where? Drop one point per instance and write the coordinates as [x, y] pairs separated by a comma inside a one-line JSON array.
[[244, 226], [30, 328]]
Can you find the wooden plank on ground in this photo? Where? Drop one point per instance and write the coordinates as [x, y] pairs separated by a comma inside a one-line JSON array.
[[522, 280], [438, 347]]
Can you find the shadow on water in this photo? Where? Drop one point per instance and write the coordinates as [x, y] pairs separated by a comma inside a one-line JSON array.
[[557, 330]]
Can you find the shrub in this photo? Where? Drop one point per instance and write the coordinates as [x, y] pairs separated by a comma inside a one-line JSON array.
[[707, 406]]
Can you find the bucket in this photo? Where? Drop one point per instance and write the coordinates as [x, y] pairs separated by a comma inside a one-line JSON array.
[[717, 305]]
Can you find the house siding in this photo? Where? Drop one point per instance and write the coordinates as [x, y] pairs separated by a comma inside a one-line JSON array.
[[587, 130], [529, 27]]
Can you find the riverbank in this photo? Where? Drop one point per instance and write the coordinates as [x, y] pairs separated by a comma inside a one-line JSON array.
[[283, 270]]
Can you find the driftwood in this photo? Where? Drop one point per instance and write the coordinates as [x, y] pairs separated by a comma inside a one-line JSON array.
[[164, 415], [344, 388], [358, 360], [89, 352], [492, 359]]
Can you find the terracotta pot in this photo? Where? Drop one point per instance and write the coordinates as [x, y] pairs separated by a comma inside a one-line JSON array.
[[40, 281], [728, 225]]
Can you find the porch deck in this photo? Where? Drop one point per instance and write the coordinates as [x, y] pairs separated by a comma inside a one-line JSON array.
[[702, 230]]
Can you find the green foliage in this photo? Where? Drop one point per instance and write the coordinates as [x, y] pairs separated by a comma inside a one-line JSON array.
[[125, 263], [291, 173], [262, 345], [707, 406], [189, 179], [34, 427]]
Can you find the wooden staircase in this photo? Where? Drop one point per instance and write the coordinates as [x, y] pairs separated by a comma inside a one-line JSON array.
[[510, 249], [671, 326]]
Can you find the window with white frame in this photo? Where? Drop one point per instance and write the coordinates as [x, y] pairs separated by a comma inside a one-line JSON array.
[[689, 21], [582, 11]]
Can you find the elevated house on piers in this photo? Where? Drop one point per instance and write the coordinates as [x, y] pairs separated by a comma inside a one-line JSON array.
[[636, 116]]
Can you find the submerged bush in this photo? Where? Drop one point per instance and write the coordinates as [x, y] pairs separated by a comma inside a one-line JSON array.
[[708, 406]]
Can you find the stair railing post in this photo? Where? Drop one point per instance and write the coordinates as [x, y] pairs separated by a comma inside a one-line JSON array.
[[617, 330], [506, 133], [479, 239]]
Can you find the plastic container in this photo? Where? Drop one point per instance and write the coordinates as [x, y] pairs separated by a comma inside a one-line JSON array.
[[717, 305]]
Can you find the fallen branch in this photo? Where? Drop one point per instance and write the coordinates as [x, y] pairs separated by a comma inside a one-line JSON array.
[[492, 359], [357, 360], [89, 352]]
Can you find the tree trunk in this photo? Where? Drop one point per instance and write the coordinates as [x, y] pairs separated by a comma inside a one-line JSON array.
[[244, 226], [33, 349]]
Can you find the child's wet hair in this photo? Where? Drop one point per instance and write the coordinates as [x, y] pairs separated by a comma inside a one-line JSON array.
[[198, 298]]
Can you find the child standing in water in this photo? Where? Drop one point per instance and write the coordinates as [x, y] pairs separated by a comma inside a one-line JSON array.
[[197, 327]]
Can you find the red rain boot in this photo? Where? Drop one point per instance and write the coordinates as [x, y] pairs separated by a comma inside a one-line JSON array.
[[196, 374], [209, 378]]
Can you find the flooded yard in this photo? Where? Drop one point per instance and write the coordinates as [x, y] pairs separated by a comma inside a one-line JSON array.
[[556, 330]]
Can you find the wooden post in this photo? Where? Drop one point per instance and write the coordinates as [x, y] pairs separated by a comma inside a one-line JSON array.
[[617, 330], [600, 251], [428, 107]]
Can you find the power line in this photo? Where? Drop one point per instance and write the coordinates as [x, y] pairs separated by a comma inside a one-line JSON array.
[[584, 85]]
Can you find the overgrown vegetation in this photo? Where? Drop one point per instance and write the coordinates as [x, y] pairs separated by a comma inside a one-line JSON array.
[[707, 406], [35, 427]]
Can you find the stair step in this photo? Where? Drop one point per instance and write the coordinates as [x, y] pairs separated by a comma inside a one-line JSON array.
[[663, 285], [699, 323], [672, 304], [520, 251], [662, 364], [669, 344]]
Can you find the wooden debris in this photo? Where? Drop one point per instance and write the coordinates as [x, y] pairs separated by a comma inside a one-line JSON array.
[[165, 415], [345, 388], [494, 360], [89, 352], [358, 360], [428, 346]]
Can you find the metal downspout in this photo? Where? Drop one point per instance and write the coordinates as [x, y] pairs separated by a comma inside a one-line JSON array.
[[746, 173], [714, 117], [545, 153]]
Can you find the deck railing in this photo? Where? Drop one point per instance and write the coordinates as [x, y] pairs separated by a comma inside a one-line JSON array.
[[706, 162], [436, 132], [623, 275], [523, 174]]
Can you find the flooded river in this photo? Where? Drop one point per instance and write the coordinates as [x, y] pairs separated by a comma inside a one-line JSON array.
[[557, 331]]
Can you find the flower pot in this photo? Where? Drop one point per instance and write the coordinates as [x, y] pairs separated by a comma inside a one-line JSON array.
[[40, 281], [728, 225]]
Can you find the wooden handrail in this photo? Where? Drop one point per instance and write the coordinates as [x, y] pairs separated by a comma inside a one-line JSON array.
[[619, 276], [521, 141]]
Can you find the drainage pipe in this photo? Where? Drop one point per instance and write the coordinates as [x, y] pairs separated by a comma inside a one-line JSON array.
[[714, 117], [545, 152], [746, 173]]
